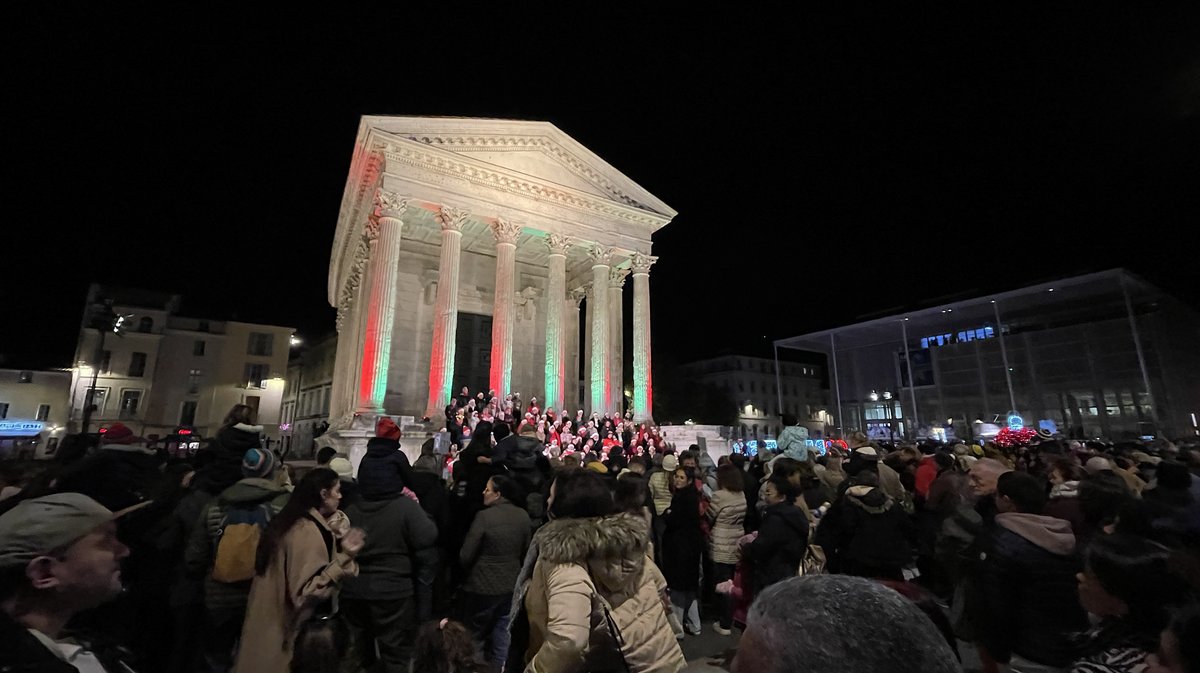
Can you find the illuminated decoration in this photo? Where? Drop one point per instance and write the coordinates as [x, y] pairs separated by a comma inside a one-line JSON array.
[[445, 312], [1009, 438], [1015, 422], [184, 432], [383, 241], [556, 346], [285, 426], [642, 385], [962, 336], [19, 428]]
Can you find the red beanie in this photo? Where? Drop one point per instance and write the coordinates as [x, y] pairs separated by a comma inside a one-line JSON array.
[[387, 428]]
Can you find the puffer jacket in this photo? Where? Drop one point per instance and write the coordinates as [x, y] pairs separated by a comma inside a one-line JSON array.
[[727, 514], [583, 568], [494, 549], [1030, 597], [780, 545], [384, 470], [199, 555], [660, 491]]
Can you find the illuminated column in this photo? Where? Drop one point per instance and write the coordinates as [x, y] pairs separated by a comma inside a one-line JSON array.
[[643, 403], [574, 348], [445, 314], [556, 361], [601, 265], [383, 234], [502, 310], [616, 326]]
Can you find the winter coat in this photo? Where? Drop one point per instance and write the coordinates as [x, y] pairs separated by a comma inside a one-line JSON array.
[[727, 514], [494, 549], [792, 443], [682, 541], [431, 493], [580, 567], [521, 456], [889, 481], [299, 579], [227, 449], [866, 533], [946, 492], [1030, 596], [1114, 646], [384, 470], [777, 551], [117, 476], [660, 490], [401, 548], [1064, 504], [23, 652], [927, 471], [200, 554]]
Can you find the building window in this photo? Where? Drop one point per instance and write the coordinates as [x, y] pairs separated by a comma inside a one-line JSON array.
[[260, 344], [202, 326], [3, 409], [99, 397], [198, 347], [146, 325], [252, 402], [137, 365], [106, 361], [130, 399], [325, 400], [43, 412], [25, 377], [187, 414], [194, 376], [255, 374]]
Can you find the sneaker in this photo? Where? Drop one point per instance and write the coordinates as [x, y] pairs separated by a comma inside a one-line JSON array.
[[720, 631], [691, 632]]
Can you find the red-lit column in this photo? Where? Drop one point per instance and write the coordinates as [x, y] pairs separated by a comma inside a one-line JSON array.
[[445, 314], [616, 337], [643, 404], [506, 234], [383, 234], [601, 265]]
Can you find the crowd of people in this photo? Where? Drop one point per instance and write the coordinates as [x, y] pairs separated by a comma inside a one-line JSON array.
[[538, 541]]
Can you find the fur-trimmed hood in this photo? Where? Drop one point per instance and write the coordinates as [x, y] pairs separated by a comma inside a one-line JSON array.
[[613, 548]]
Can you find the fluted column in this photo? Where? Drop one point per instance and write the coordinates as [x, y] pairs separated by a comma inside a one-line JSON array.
[[383, 234], [556, 363], [445, 312], [601, 265], [574, 346], [643, 402], [502, 308], [616, 326]]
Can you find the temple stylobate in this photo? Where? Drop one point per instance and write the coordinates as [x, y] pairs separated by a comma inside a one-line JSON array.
[[463, 251]]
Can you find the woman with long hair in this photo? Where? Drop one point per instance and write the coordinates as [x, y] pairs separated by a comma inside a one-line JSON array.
[[589, 598], [302, 558], [446, 646], [683, 545]]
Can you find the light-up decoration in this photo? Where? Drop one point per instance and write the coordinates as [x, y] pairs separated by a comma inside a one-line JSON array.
[[1015, 422]]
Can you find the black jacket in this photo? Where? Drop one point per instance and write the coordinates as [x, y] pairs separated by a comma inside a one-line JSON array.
[[401, 548], [384, 470], [116, 476], [683, 542], [22, 652], [780, 546], [1030, 595], [866, 533], [521, 457]]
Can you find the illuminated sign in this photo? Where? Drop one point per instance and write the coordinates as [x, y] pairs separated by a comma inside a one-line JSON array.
[[1015, 422], [18, 428], [183, 432]]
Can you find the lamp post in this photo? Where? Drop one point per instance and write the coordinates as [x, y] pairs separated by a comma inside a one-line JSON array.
[[104, 321]]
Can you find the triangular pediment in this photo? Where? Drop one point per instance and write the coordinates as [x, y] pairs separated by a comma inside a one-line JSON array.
[[535, 149]]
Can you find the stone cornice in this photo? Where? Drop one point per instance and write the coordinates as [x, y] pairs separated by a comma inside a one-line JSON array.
[[445, 162]]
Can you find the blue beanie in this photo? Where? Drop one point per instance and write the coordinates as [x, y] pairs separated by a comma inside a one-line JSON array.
[[258, 463]]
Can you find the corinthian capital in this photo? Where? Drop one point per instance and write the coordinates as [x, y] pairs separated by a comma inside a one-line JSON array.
[[642, 263], [389, 204], [558, 244], [505, 231], [600, 255], [451, 219], [578, 294], [616, 277]]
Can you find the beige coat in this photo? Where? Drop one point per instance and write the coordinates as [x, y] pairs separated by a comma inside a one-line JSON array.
[[727, 514], [660, 491], [299, 579], [584, 565]]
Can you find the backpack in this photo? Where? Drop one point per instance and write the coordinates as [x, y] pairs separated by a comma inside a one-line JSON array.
[[237, 542]]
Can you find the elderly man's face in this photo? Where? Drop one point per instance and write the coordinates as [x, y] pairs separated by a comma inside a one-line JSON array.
[[88, 573], [983, 481]]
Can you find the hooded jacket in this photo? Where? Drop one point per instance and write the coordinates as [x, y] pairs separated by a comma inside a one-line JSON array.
[[1027, 578], [866, 532], [582, 568], [384, 470], [199, 555]]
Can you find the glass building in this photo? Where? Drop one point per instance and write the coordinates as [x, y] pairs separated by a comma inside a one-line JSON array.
[[1104, 355]]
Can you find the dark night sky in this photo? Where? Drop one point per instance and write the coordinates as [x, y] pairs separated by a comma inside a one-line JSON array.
[[826, 164]]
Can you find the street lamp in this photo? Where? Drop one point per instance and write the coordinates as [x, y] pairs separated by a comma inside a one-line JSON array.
[[887, 398]]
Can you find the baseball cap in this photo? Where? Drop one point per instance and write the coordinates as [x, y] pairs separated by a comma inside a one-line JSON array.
[[40, 525]]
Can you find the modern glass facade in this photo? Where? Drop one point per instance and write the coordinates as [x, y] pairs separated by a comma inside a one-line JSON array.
[[1102, 355]]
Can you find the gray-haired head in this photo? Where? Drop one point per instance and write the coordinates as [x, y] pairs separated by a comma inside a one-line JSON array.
[[840, 624]]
